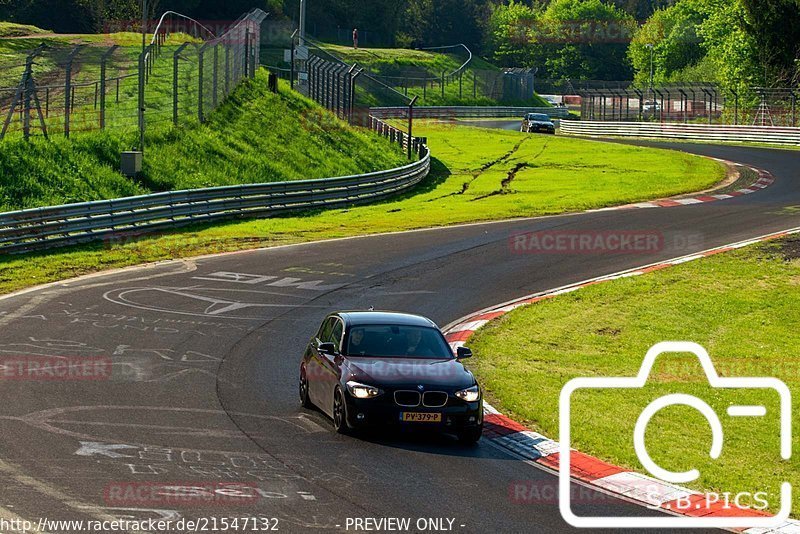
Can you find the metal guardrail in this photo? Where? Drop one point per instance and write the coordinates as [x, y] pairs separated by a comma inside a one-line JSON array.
[[40, 228], [698, 132], [464, 112]]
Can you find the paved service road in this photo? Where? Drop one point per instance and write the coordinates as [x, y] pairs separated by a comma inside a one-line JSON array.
[[205, 354]]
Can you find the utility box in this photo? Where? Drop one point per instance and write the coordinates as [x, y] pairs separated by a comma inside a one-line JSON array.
[[131, 163]]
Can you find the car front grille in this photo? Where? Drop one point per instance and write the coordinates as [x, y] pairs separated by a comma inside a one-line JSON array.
[[407, 399], [434, 399]]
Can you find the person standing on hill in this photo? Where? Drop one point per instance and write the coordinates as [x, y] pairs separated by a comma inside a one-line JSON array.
[[355, 38]]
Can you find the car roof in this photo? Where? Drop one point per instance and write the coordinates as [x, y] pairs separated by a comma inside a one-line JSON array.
[[353, 318]]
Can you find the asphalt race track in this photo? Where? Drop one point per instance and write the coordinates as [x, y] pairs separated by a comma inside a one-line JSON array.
[[205, 354]]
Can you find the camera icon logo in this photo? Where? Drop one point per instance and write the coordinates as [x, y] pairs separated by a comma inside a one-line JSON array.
[[659, 473]]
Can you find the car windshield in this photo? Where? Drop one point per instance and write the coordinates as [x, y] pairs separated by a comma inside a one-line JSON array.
[[538, 117], [396, 341]]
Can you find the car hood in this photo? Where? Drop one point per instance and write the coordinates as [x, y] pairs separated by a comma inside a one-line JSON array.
[[409, 371], [542, 123]]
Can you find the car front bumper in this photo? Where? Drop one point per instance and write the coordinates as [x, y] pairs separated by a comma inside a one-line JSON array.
[[382, 411]]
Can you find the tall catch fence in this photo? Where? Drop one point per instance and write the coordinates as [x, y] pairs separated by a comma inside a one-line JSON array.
[[184, 73], [350, 93], [463, 80], [699, 102]]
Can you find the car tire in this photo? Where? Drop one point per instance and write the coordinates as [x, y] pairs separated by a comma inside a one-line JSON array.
[[470, 436], [340, 413], [305, 400]]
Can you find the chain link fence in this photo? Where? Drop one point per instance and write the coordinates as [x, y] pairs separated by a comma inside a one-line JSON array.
[[699, 102], [464, 84], [109, 82]]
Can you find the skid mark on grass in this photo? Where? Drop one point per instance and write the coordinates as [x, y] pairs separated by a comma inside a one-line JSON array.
[[485, 167], [505, 184]]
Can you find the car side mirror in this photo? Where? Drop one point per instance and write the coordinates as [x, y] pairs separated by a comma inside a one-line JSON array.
[[327, 348], [463, 352]]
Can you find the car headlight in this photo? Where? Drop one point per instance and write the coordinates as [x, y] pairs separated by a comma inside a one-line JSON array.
[[362, 391], [470, 394]]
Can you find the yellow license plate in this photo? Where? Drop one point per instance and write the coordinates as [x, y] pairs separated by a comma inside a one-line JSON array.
[[420, 417]]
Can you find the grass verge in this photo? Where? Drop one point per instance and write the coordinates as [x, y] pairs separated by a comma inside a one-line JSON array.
[[479, 175], [742, 306], [255, 136], [12, 29]]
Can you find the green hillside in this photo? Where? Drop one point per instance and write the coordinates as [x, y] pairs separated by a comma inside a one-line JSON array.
[[256, 136], [11, 29]]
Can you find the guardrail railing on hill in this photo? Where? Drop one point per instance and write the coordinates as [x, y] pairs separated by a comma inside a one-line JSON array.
[[40, 228], [464, 112], [699, 132]]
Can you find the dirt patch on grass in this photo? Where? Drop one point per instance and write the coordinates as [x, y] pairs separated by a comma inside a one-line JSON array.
[[789, 248]]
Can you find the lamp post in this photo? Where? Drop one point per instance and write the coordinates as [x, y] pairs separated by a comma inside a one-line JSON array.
[[651, 47], [302, 22]]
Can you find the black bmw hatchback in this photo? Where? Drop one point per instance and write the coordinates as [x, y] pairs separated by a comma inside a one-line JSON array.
[[370, 369]]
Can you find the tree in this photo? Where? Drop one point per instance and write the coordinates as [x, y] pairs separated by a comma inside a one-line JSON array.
[[774, 28], [444, 22], [582, 39], [673, 33], [510, 34], [713, 41]]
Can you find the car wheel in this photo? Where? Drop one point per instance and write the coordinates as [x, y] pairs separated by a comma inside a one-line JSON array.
[[470, 436], [339, 413], [305, 401]]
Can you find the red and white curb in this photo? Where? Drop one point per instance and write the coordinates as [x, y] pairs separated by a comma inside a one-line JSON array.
[[631, 486], [765, 179]]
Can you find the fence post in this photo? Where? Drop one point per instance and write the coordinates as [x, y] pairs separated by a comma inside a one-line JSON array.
[[443, 75], [200, 73], [68, 88], [215, 77], [227, 70], [103, 63], [411, 123], [142, 68], [247, 53], [27, 80], [291, 59], [175, 73]]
